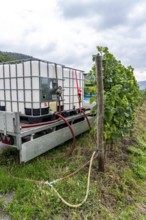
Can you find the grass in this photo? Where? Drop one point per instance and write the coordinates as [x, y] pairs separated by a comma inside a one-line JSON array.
[[119, 193]]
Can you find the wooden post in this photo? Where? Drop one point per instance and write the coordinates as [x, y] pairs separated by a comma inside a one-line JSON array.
[[100, 112]]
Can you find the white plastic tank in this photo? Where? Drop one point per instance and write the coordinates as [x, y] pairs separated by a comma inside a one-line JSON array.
[[29, 86]]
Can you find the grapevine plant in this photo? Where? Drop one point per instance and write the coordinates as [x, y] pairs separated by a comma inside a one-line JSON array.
[[121, 96]]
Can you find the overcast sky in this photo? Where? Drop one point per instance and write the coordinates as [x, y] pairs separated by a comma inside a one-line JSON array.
[[68, 32]]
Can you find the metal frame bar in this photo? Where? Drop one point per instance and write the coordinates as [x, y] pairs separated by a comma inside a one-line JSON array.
[[23, 76], [17, 88], [73, 86], [39, 85], [4, 85], [31, 83], [10, 81], [63, 85], [48, 71], [69, 89]]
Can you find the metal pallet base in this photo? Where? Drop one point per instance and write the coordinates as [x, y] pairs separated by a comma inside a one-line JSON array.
[[32, 142]]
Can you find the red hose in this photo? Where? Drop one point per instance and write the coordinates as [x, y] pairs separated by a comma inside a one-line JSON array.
[[94, 138], [79, 94], [59, 105], [73, 135], [39, 124], [85, 117], [80, 110], [61, 178], [51, 122], [78, 89], [79, 168]]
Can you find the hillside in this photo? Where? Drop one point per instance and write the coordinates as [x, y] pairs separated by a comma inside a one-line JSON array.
[[10, 56], [142, 85]]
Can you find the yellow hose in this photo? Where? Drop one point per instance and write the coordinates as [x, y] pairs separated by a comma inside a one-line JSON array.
[[57, 180], [87, 190]]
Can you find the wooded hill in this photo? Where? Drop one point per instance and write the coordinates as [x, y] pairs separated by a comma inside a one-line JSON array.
[[10, 56]]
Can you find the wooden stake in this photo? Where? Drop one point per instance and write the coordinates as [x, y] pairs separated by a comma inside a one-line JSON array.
[[100, 112]]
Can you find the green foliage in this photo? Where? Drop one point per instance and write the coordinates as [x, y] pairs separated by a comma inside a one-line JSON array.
[[142, 96], [138, 158], [90, 90], [121, 96], [5, 57], [88, 85], [8, 56]]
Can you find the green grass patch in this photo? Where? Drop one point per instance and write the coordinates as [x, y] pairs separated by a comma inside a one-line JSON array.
[[119, 193]]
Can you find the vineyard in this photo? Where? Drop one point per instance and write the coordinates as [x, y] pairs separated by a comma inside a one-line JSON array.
[[117, 193], [121, 96]]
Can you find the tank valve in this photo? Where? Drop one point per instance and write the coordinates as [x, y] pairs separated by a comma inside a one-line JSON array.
[[59, 91]]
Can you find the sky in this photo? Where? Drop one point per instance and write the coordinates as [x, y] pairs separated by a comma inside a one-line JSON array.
[[67, 32]]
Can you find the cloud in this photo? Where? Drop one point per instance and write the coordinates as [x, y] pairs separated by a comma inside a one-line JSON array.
[[111, 12], [68, 32]]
